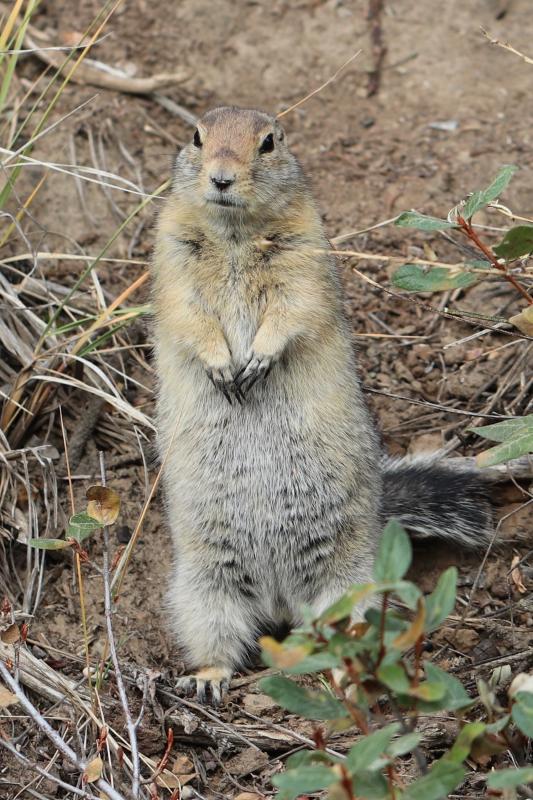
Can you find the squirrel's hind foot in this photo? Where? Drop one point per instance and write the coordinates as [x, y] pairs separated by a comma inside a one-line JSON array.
[[210, 685]]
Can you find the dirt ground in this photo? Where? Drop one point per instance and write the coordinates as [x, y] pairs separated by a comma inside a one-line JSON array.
[[451, 109]]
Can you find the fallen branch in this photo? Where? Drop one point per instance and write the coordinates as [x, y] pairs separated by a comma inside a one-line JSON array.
[[263, 735], [38, 676], [518, 469], [96, 73]]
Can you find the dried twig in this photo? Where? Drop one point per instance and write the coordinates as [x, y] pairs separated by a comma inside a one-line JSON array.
[[320, 88], [80, 764], [506, 46], [131, 726]]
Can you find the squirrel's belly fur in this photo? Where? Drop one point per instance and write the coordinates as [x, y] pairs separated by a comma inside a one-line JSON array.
[[277, 502], [275, 485]]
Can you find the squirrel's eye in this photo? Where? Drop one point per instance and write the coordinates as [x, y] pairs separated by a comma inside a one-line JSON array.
[[196, 139], [267, 145]]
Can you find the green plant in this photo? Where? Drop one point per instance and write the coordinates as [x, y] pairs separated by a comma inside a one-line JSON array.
[[516, 243], [380, 684], [506, 260]]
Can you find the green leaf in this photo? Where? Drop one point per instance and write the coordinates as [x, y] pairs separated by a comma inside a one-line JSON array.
[[365, 752], [371, 786], [509, 778], [404, 744], [343, 607], [394, 553], [442, 778], [516, 242], [456, 696], [303, 779], [316, 662], [412, 219], [508, 429], [415, 278], [499, 725], [514, 448], [49, 544], [80, 526], [463, 743], [428, 691], [515, 436], [482, 198], [311, 757], [522, 712], [408, 593], [441, 601], [394, 678], [305, 702]]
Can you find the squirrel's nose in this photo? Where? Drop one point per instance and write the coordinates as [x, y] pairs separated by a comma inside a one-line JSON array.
[[222, 182]]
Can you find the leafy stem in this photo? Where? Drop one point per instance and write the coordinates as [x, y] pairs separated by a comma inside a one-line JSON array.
[[466, 227]]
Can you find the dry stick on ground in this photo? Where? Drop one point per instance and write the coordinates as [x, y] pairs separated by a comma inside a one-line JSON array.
[[80, 764], [95, 73], [379, 48], [131, 726]]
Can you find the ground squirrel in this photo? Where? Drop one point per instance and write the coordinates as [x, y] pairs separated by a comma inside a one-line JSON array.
[[275, 483]]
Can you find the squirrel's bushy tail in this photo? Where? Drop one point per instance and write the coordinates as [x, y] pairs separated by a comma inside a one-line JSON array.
[[436, 499]]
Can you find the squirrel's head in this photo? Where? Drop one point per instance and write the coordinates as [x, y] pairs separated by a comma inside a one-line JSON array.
[[237, 162]]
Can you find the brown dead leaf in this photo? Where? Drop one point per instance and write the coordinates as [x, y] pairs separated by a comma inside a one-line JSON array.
[[11, 635], [524, 321], [182, 765], [168, 780], [465, 639], [249, 796], [245, 761], [7, 698], [517, 575], [103, 505], [94, 770]]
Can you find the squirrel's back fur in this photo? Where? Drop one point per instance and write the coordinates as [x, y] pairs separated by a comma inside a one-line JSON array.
[[273, 473]]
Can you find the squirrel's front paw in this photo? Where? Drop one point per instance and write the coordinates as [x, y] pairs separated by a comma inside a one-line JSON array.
[[209, 685], [222, 378], [256, 368]]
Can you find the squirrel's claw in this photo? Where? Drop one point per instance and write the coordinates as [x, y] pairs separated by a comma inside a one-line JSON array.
[[222, 379], [257, 368], [210, 691]]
